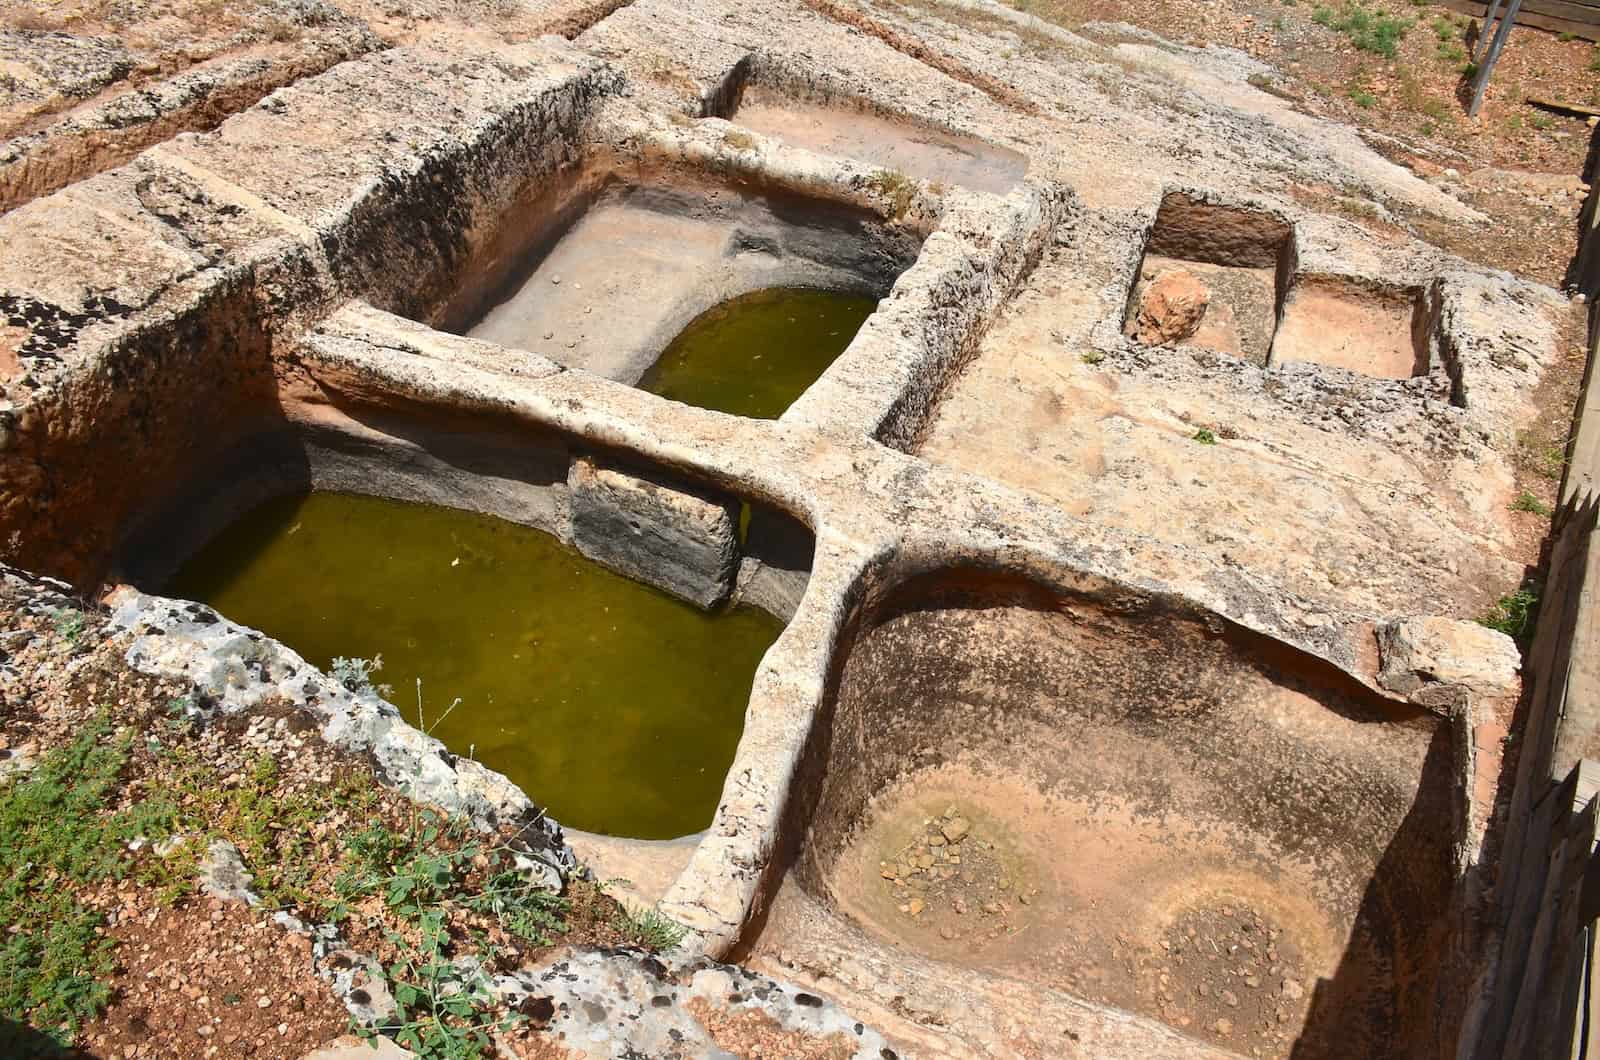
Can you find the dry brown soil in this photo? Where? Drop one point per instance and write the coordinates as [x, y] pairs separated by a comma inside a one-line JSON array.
[[1410, 108]]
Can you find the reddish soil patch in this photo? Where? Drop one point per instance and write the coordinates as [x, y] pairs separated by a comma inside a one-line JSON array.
[[1091, 903], [210, 978], [1346, 328], [756, 1034]]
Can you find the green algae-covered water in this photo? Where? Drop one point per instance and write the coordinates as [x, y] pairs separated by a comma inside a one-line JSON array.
[[754, 355], [614, 705]]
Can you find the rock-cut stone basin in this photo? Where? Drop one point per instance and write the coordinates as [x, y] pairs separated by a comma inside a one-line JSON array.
[[613, 705]]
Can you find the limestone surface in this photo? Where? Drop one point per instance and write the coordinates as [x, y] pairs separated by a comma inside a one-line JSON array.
[[273, 291]]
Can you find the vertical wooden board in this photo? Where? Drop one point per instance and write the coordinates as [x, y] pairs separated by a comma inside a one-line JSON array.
[[1580, 722], [1591, 1029], [1583, 469], [1545, 824], [1527, 1011], [1560, 1017]]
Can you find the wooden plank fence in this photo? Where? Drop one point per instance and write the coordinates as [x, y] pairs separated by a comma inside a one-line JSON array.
[[1581, 18]]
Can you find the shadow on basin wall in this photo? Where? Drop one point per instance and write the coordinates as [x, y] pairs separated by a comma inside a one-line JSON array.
[[478, 463], [1421, 1017], [1072, 690], [21, 1042]]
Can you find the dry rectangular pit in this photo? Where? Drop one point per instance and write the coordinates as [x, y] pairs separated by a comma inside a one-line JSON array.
[[854, 130], [1212, 276], [1376, 331], [1138, 809], [1224, 278]]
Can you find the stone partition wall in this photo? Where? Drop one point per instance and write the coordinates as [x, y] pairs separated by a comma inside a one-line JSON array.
[[677, 538]]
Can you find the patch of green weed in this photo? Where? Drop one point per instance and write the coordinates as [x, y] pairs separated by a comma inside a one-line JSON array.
[[58, 832], [1515, 614], [1527, 502]]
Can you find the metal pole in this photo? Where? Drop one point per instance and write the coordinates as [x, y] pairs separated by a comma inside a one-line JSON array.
[[1500, 35], [1486, 32]]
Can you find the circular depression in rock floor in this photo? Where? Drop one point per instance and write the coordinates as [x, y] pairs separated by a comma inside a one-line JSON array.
[[1092, 900], [1141, 808], [615, 706]]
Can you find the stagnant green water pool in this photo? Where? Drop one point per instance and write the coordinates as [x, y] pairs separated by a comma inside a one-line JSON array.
[[754, 355], [614, 705]]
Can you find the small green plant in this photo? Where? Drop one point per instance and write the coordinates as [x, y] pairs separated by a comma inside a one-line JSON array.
[[649, 928], [738, 139], [1515, 614], [445, 1007], [1566, 37], [1362, 98], [1527, 502], [1091, 357], [1543, 122], [69, 624], [899, 189], [1205, 437], [427, 875], [1594, 59]]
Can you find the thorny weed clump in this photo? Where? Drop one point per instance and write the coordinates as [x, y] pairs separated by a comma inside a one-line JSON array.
[[899, 189], [648, 928]]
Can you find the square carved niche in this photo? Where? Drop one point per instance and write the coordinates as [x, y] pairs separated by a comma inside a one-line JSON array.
[[1212, 276]]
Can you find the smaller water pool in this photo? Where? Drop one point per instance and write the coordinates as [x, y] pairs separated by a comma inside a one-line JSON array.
[[616, 706], [754, 355]]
